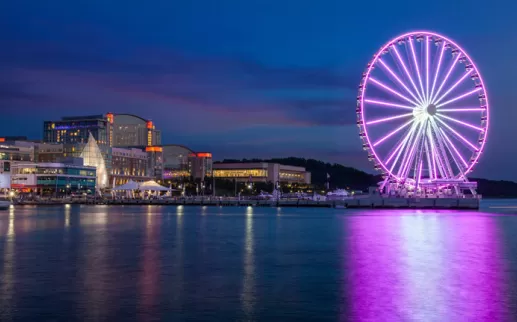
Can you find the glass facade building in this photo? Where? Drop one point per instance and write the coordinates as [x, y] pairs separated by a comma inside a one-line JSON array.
[[133, 131], [53, 178]]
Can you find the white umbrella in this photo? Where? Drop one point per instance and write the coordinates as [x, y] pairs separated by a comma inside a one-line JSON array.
[[153, 186]]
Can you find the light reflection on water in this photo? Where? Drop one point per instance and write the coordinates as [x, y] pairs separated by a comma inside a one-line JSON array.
[[275, 264], [426, 267]]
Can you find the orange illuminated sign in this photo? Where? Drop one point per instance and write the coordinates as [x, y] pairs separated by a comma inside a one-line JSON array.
[[154, 149], [109, 116], [149, 124], [204, 155], [2, 139]]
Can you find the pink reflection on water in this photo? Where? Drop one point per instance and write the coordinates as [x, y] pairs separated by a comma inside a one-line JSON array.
[[424, 266]]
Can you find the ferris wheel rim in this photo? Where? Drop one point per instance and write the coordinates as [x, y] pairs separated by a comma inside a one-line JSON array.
[[367, 75]]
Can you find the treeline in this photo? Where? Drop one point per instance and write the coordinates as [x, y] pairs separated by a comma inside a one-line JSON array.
[[353, 179]]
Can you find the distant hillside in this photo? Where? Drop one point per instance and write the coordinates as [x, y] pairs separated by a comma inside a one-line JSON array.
[[347, 177]]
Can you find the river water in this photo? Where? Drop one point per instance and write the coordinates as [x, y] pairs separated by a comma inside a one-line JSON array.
[[176, 263]]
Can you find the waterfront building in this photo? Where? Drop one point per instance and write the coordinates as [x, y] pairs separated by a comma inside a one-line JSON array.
[[52, 178], [181, 163], [155, 161], [92, 156], [10, 155], [129, 164], [261, 172], [74, 133], [132, 131]]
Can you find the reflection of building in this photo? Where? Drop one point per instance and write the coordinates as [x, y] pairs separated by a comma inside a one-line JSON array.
[[131, 130], [52, 178], [180, 162], [261, 172], [129, 164]]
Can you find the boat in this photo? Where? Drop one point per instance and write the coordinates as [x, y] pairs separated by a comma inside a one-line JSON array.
[[4, 205], [339, 194]]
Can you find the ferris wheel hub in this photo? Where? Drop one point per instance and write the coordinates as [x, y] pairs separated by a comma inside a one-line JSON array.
[[431, 109]]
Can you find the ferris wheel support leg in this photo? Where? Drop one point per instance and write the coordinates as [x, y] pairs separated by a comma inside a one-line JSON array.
[[383, 185]]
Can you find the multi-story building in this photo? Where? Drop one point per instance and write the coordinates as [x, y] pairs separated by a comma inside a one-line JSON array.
[[52, 178], [9, 156], [261, 172], [133, 131], [74, 132], [181, 163], [155, 161], [129, 164]]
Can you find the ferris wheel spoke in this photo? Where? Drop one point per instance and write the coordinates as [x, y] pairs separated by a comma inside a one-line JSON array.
[[461, 137], [387, 119], [383, 103], [389, 89], [427, 68], [451, 145], [401, 145], [443, 154], [445, 78], [401, 61], [452, 151], [466, 109], [437, 70], [453, 87], [438, 164], [408, 157], [428, 157], [404, 150], [387, 136], [399, 80], [416, 67], [460, 122], [475, 90]]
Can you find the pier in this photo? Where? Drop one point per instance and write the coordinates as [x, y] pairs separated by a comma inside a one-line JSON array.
[[371, 202]]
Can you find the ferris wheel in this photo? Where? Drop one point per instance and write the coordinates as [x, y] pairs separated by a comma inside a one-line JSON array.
[[422, 110]]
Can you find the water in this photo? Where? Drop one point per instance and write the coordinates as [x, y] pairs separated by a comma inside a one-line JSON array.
[[140, 263]]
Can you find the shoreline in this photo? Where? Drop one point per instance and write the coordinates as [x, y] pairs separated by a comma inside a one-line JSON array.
[[370, 202]]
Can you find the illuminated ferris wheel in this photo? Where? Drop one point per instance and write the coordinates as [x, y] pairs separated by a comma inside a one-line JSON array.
[[422, 111]]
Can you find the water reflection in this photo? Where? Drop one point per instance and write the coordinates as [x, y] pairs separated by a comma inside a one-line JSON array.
[[424, 268], [7, 277], [248, 291], [96, 261], [150, 265]]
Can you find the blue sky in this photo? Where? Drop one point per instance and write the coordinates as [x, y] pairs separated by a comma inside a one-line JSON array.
[[238, 78]]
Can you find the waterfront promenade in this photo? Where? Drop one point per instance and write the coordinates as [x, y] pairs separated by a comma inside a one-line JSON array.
[[358, 202]]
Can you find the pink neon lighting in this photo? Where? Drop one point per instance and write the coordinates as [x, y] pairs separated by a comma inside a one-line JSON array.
[[458, 135], [446, 77], [444, 41], [427, 67], [407, 71], [389, 118], [400, 128], [388, 104], [397, 78], [454, 148], [461, 122], [392, 90], [459, 97], [453, 86], [416, 65], [401, 144], [438, 69], [476, 109]]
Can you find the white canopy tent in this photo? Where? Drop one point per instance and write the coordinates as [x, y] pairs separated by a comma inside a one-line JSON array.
[[129, 186], [152, 185]]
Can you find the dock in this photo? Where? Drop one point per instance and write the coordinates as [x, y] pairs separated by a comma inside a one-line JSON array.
[[371, 202]]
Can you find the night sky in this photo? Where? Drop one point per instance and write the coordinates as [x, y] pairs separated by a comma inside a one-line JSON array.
[[239, 78]]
